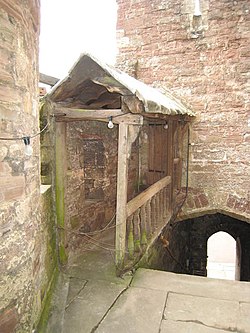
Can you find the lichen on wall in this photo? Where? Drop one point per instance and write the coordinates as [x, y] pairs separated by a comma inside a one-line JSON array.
[[27, 240]]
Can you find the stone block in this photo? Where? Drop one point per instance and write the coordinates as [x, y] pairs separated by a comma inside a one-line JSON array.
[[244, 318], [121, 318], [170, 326], [220, 314], [8, 320]]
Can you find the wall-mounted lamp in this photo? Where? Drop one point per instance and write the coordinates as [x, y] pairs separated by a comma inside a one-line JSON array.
[[28, 150], [110, 123], [165, 126]]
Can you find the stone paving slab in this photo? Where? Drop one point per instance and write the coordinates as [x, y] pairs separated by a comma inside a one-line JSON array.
[[192, 285], [244, 318], [89, 306], [93, 300], [222, 314], [136, 311], [75, 287], [59, 300], [169, 326], [93, 266]]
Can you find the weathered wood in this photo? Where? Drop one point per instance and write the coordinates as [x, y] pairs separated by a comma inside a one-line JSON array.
[[143, 197], [165, 203], [153, 214], [122, 188], [128, 118], [170, 161], [132, 104], [86, 114], [60, 178], [162, 205], [130, 233], [118, 116], [137, 231], [46, 79], [148, 218], [143, 219], [157, 210]]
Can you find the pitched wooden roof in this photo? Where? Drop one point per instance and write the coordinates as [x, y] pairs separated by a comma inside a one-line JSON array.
[[92, 84]]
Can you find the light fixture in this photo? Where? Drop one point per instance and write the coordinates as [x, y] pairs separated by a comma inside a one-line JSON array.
[[197, 8], [165, 126], [110, 123], [28, 150]]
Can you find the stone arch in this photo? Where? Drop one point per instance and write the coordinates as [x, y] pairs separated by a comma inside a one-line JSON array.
[[187, 250], [204, 227]]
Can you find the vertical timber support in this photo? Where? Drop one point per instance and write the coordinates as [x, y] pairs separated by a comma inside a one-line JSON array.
[[60, 188], [122, 189], [170, 166], [129, 128]]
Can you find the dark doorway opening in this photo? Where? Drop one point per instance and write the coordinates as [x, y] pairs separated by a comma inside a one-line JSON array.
[[187, 252]]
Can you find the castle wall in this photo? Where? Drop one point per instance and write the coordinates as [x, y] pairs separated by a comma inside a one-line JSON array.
[[27, 238], [205, 61]]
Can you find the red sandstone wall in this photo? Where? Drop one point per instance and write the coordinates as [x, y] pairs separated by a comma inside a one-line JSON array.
[[91, 179], [23, 238], [206, 62]]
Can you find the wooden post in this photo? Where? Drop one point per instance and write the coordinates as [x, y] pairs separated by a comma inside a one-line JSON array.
[[122, 189], [129, 128], [170, 162], [60, 166]]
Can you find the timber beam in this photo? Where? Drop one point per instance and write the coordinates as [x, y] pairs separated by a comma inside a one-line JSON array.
[[118, 116]]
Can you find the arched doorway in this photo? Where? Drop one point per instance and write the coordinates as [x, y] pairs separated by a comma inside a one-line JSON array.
[[221, 256]]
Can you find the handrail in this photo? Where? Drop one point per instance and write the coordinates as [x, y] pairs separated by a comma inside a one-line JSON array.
[[143, 197]]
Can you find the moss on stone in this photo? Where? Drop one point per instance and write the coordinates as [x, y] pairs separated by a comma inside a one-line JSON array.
[[62, 255], [42, 324]]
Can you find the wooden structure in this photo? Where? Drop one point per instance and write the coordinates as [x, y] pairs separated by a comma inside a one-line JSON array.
[[95, 91]]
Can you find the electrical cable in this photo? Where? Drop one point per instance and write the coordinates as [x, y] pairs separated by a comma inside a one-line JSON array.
[[27, 136], [101, 230]]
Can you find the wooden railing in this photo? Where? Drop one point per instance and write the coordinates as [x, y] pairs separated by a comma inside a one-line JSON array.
[[147, 214]]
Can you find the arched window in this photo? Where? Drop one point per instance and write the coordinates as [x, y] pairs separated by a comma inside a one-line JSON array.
[[221, 252]]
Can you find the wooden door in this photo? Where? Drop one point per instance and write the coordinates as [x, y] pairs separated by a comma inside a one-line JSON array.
[[157, 152]]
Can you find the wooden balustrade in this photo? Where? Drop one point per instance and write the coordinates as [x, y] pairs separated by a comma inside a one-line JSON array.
[[146, 214]]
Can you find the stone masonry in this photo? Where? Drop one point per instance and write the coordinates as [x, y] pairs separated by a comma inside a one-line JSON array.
[[205, 61], [26, 258], [91, 180]]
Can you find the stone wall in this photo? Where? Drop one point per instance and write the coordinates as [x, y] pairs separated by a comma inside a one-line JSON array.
[[90, 199], [24, 232], [205, 61]]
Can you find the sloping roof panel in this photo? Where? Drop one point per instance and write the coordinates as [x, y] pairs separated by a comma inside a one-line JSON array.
[[93, 84]]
